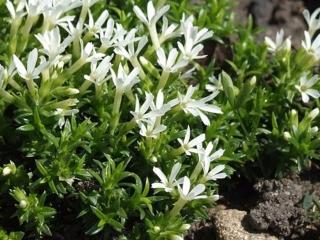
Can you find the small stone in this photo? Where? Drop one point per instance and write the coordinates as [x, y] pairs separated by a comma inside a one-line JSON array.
[[231, 225]]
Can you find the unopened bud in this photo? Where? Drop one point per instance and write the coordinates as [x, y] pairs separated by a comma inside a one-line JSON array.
[[156, 228], [314, 113], [9, 169], [23, 204], [72, 91], [314, 129], [154, 159], [6, 171], [286, 135], [253, 81]]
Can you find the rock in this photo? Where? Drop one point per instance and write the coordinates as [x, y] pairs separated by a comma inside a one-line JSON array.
[[278, 210], [231, 225]]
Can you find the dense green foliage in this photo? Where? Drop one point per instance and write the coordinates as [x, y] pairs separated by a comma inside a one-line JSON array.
[[96, 126]]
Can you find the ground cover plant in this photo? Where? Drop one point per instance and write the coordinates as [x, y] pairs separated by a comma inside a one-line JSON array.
[[115, 122]]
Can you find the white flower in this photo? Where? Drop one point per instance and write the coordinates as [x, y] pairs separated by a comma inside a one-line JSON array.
[[62, 113], [73, 31], [188, 145], [197, 107], [88, 53], [151, 19], [31, 72], [94, 27], [167, 184], [153, 15], [167, 31], [206, 155], [305, 87], [188, 195], [132, 52], [312, 20], [170, 64], [279, 44], [99, 72], [53, 14], [106, 35], [312, 46], [51, 42], [215, 84], [159, 108], [193, 37], [215, 173], [122, 81], [18, 12], [140, 111], [152, 128], [122, 38], [35, 7]]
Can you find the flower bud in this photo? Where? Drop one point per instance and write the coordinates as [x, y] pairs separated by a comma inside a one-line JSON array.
[[154, 159], [287, 135], [156, 228], [23, 204], [314, 113], [9, 169], [6, 171]]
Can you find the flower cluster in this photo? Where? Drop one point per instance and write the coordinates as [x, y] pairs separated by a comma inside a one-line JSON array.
[[85, 86]]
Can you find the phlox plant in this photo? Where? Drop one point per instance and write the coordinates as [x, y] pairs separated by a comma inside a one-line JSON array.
[[110, 118], [101, 112]]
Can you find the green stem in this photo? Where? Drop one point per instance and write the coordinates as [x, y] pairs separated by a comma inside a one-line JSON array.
[[177, 207], [163, 80], [84, 87], [154, 36], [135, 63], [76, 66], [196, 171], [176, 152], [115, 110]]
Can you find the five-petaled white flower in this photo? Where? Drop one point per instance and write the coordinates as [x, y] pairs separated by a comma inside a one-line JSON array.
[[52, 45], [197, 107], [139, 112], [279, 44], [159, 108], [168, 31], [122, 80], [131, 52], [88, 53], [187, 145], [151, 19], [206, 155], [99, 72], [305, 87], [170, 64], [94, 27], [167, 184], [215, 173], [186, 194], [153, 15], [310, 46], [31, 72], [312, 20], [152, 128], [192, 47]]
